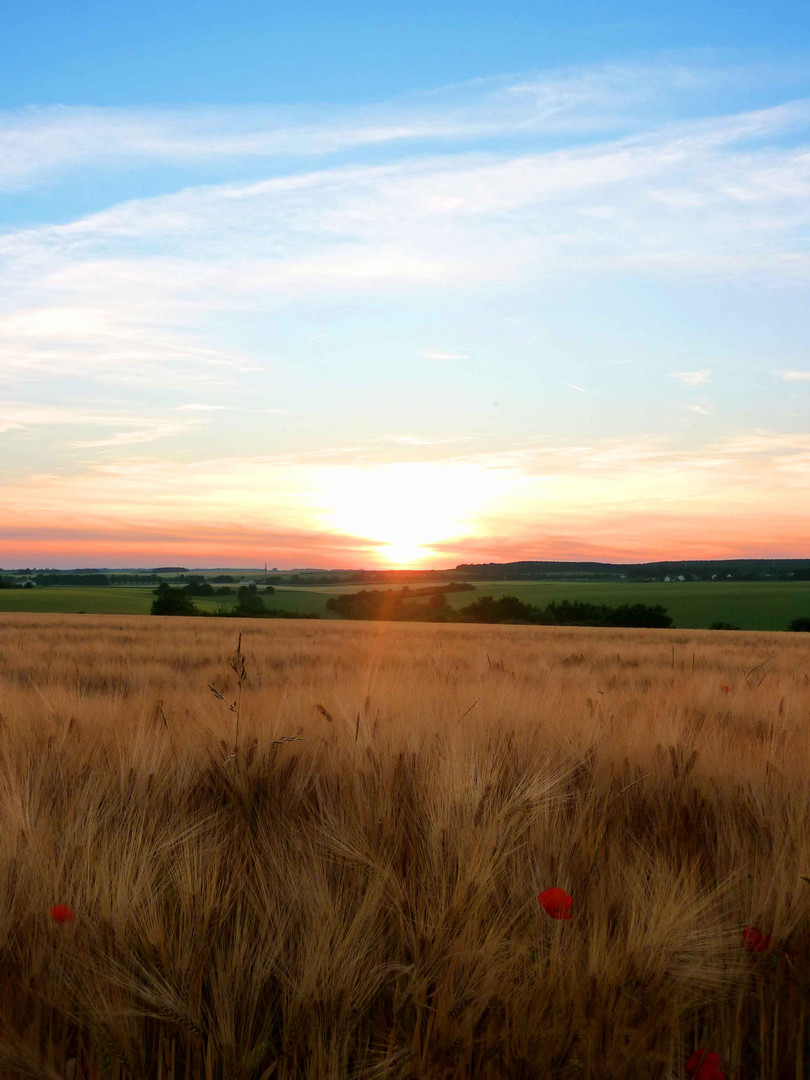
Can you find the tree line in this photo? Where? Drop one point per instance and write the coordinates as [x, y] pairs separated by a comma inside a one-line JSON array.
[[399, 605], [170, 600]]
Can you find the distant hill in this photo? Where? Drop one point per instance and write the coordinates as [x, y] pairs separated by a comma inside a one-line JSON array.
[[522, 570], [687, 569]]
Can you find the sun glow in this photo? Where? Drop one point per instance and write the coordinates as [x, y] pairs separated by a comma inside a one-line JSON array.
[[405, 508], [405, 554]]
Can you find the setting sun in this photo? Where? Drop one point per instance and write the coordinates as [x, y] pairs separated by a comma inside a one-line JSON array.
[[404, 509]]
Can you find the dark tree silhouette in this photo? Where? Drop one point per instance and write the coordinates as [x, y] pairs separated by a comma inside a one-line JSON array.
[[169, 601]]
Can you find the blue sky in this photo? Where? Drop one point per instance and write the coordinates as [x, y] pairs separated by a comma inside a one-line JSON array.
[[186, 52], [360, 285]]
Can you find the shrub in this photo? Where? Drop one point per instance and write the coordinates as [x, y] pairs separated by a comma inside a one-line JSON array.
[[504, 609], [169, 601], [248, 602]]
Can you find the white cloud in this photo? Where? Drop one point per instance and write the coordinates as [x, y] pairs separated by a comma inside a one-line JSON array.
[[674, 196], [17, 416], [795, 376], [118, 293], [142, 435], [692, 378], [766, 444], [428, 440], [35, 142], [433, 355], [121, 338]]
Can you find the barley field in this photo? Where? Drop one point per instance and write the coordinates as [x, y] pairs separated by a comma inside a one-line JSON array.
[[317, 852]]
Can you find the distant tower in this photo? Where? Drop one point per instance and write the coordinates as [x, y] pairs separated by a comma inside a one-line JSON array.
[[265, 568]]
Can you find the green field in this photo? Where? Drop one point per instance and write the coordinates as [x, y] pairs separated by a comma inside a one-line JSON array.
[[95, 600], [752, 605], [137, 600]]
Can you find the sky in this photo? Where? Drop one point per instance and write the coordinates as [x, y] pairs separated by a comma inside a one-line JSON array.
[[367, 285]]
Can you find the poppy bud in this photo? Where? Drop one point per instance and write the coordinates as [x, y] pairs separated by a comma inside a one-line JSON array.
[[62, 914], [556, 903], [704, 1065], [754, 940]]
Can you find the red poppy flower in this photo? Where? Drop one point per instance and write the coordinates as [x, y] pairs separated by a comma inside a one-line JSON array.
[[62, 914], [725, 689], [754, 940], [556, 903], [704, 1065]]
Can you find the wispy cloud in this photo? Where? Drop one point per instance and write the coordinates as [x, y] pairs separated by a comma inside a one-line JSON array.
[[121, 339], [429, 440], [795, 376], [692, 378], [37, 141], [17, 416], [118, 293], [132, 438]]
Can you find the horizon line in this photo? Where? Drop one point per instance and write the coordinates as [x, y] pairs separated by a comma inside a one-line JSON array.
[[403, 569]]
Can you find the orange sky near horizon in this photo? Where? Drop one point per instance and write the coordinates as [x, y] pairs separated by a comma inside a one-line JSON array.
[[327, 551], [614, 503]]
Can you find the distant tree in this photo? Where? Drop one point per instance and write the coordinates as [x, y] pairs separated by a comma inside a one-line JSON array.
[[169, 601], [504, 609], [269, 589], [574, 613], [248, 602], [802, 623], [646, 615], [202, 588], [582, 613], [79, 580], [724, 626]]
